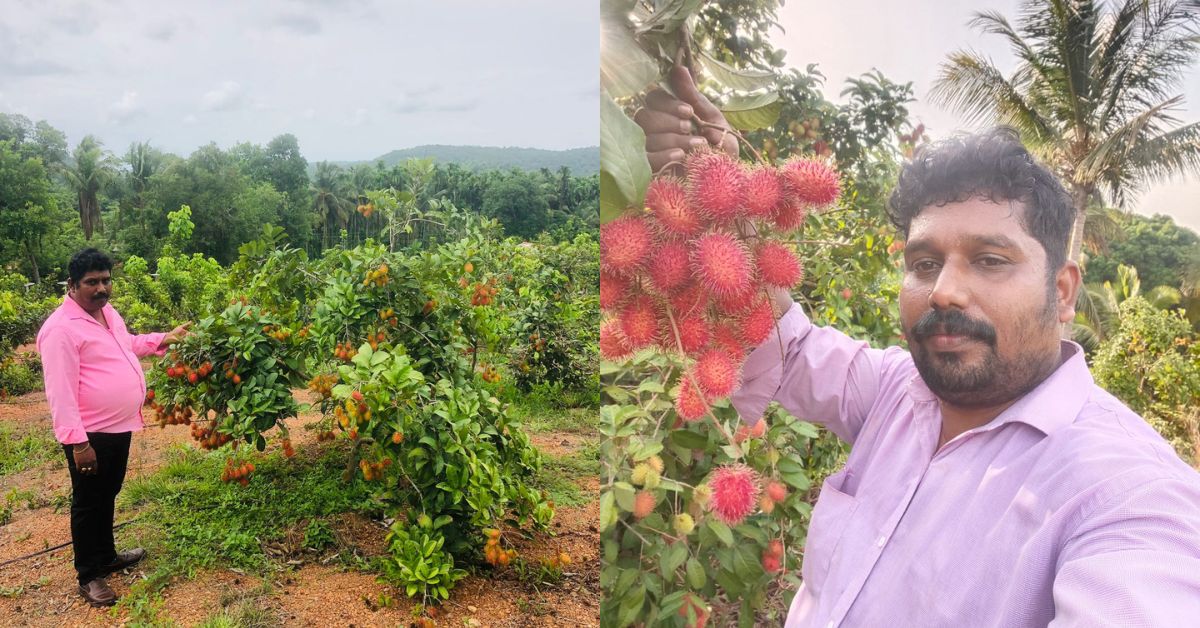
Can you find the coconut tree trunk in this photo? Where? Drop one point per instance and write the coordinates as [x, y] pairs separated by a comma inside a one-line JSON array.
[[1079, 198]]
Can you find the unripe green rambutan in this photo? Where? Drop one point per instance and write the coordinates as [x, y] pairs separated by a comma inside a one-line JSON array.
[[637, 477], [683, 524]]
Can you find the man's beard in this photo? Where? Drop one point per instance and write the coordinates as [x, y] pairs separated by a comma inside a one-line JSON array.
[[990, 380]]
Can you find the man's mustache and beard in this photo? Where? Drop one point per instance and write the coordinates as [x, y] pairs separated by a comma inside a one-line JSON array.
[[968, 380]]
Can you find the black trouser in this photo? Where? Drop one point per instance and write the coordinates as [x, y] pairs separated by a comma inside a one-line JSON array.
[[92, 500]]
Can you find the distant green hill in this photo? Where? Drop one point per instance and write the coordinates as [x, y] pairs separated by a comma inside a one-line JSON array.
[[581, 161]]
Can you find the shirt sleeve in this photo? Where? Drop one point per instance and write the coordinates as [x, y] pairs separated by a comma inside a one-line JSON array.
[[60, 370], [148, 344], [1135, 561], [817, 373]]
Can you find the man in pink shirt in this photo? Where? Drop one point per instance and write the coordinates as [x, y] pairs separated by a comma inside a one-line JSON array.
[[990, 482], [95, 388]]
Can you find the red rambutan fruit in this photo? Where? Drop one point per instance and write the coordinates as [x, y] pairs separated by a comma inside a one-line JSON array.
[[777, 265], [694, 333], [734, 493], [625, 244], [812, 181], [690, 404], [668, 203], [727, 338], [722, 264], [764, 190], [643, 504], [775, 547], [613, 290], [717, 373], [756, 323], [613, 345], [688, 300], [789, 214], [771, 564], [639, 322], [716, 185], [669, 267], [776, 491]]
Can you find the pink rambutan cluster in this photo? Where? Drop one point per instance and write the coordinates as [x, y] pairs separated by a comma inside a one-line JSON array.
[[691, 273]]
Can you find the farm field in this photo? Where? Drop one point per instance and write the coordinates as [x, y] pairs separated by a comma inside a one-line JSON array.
[[300, 569]]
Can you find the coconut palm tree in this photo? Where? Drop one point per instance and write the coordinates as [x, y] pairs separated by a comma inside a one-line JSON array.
[[1092, 95], [91, 170], [330, 202]]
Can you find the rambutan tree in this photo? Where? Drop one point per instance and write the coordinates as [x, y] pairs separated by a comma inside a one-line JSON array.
[[704, 513]]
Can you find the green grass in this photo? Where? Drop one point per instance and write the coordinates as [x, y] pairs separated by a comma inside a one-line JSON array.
[[25, 451], [540, 418], [243, 609], [560, 475], [189, 519]]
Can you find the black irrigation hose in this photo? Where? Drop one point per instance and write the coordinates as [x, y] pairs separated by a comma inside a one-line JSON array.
[[56, 547]]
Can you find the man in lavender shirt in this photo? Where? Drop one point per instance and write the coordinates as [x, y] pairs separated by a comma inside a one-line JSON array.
[[990, 482]]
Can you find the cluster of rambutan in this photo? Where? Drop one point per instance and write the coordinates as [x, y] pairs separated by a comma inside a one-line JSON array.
[[495, 555], [691, 273], [208, 436]]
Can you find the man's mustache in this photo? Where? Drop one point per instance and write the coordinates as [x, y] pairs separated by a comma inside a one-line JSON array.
[[952, 322]]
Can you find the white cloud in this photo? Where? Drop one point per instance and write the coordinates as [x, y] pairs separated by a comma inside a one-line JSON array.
[[127, 108], [227, 96], [190, 119], [296, 23]]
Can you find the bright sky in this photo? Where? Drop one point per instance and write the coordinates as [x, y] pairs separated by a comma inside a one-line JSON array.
[[352, 79], [908, 40]]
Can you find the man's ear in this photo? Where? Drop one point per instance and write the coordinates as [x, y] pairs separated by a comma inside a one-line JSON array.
[[1067, 283]]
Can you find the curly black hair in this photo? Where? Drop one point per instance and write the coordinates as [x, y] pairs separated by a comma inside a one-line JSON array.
[[994, 165], [87, 261]]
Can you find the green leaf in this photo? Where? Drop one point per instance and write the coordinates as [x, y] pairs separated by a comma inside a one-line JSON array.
[[668, 16], [672, 559], [624, 494], [622, 158], [696, 577], [625, 69], [608, 513], [733, 78], [721, 531], [749, 113], [689, 439]]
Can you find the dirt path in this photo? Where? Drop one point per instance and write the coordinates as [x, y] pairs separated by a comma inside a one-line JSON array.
[[40, 591]]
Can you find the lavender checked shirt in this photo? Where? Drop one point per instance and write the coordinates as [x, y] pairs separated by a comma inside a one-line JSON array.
[[1066, 510]]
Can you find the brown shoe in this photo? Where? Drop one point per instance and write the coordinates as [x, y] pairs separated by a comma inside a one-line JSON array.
[[125, 559], [98, 593]]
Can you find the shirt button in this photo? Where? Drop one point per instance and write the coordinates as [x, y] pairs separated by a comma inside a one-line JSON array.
[[879, 542]]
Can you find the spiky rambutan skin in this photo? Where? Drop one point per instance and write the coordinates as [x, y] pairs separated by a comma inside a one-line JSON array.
[[745, 432], [771, 564], [790, 214], [717, 373], [668, 203], [812, 181], [613, 290], [637, 477], [716, 185], [734, 493], [669, 267], [683, 524], [756, 323], [625, 244], [736, 304], [690, 405], [689, 300], [764, 191], [613, 344], [643, 504], [776, 491], [722, 264], [694, 333], [777, 265], [766, 505], [639, 322], [775, 547], [655, 463], [727, 338]]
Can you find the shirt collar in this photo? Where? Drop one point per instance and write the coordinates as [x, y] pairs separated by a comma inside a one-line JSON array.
[[74, 310], [1051, 405]]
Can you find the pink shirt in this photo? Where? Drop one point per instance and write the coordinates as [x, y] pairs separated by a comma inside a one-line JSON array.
[[94, 382], [1067, 509]]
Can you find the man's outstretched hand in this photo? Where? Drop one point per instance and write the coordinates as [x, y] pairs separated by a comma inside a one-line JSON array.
[[175, 335], [668, 124]]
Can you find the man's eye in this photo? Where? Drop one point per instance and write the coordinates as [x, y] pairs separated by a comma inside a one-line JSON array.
[[992, 261], [924, 266]]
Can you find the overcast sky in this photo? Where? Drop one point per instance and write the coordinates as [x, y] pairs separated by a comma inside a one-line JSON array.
[[908, 40], [352, 79]]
